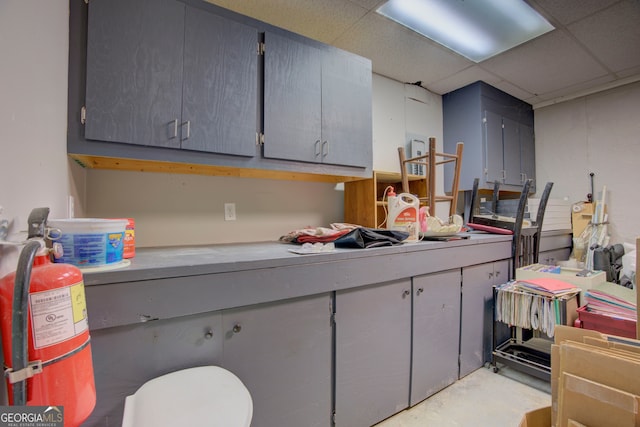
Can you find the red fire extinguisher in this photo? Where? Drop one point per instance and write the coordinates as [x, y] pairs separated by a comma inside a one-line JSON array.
[[45, 333]]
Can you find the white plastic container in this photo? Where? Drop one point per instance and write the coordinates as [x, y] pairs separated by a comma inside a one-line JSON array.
[[89, 242], [403, 215]]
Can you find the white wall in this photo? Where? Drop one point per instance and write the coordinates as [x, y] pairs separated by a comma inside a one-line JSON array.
[[34, 169], [189, 209], [186, 209], [599, 133]]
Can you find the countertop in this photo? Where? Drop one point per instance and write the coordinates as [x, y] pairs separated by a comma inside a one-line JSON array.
[[181, 261]]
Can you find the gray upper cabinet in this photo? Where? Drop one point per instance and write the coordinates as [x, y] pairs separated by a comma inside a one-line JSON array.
[[162, 73], [497, 130], [168, 83], [292, 99], [134, 71], [220, 95], [317, 104]]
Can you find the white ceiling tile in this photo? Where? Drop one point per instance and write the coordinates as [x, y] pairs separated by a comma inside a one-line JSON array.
[[634, 71], [569, 92], [613, 36], [462, 78], [369, 4], [545, 64], [321, 20], [398, 52], [568, 11]]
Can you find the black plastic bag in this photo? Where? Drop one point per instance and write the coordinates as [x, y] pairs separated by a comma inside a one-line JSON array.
[[362, 237]]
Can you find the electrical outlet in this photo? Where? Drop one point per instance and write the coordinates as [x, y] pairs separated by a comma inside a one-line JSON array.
[[229, 211]]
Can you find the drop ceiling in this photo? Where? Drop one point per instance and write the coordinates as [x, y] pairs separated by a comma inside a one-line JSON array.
[[595, 46]]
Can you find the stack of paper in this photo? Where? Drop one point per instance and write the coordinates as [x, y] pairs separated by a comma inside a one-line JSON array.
[[533, 305], [547, 286], [612, 300]]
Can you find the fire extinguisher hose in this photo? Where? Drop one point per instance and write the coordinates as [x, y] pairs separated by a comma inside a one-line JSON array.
[[20, 342]]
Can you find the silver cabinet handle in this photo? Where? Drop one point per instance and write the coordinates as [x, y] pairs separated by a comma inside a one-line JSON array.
[[325, 148], [316, 148], [188, 123], [419, 291], [237, 328], [405, 293], [209, 334], [175, 128]]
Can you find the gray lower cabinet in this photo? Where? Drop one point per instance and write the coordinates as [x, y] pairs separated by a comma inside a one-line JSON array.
[[125, 357], [282, 352], [396, 345], [373, 353], [435, 333], [317, 103], [476, 319], [162, 73]]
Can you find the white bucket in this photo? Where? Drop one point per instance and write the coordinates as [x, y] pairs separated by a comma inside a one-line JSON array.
[[89, 242]]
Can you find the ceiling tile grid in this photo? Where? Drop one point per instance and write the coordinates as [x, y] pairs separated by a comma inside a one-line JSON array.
[[596, 45]]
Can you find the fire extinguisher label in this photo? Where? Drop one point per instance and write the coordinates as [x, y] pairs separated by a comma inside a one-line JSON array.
[[58, 315]]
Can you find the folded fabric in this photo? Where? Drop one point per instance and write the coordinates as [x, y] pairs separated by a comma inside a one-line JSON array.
[[324, 238], [363, 237], [318, 234]]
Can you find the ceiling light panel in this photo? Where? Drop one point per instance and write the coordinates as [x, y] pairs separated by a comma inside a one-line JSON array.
[[476, 29]]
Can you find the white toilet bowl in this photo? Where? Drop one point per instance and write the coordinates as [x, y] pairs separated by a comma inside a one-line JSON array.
[[207, 396]]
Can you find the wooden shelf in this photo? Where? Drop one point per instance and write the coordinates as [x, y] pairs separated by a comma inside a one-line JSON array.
[[364, 199]]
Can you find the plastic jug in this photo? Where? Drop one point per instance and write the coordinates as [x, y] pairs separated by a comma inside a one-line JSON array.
[[403, 215]]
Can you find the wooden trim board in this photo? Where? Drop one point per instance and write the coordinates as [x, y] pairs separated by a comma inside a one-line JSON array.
[[113, 163]]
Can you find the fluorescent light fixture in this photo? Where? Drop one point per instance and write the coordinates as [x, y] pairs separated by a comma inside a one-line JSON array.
[[476, 29]]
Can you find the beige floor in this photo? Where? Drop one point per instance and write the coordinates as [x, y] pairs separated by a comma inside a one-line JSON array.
[[481, 399]]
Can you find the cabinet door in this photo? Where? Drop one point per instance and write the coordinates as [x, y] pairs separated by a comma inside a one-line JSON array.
[[373, 341], [435, 333], [476, 319], [220, 97], [282, 353], [126, 357], [527, 154], [134, 71], [346, 110], [292, 100], [493, 152], [511, 147]]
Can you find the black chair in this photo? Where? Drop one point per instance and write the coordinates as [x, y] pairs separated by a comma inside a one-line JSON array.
[[525, 245]]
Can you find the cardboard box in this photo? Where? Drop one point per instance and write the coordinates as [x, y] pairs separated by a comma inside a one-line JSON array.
[[595, 404], [581, 217], [537, 418], [593, 378]]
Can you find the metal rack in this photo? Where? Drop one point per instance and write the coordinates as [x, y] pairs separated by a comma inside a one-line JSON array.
[[524, 350]]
